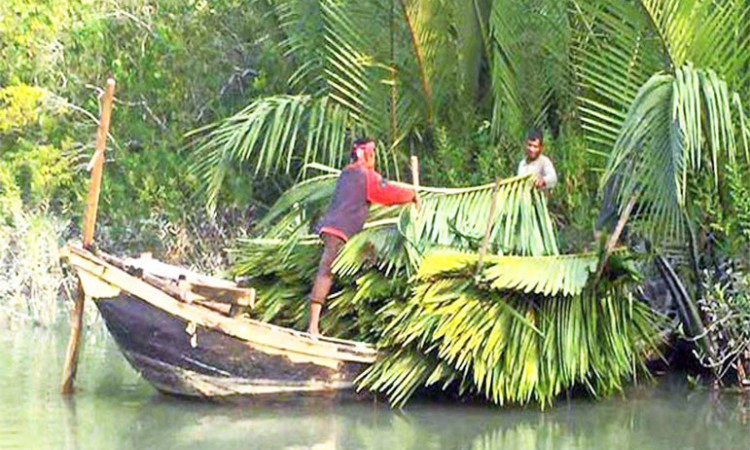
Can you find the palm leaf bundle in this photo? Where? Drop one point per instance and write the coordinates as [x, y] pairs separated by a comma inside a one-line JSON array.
[[510, 337], [527, 326]]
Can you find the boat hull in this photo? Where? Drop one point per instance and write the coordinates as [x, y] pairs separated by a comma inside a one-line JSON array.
[[181, 358]]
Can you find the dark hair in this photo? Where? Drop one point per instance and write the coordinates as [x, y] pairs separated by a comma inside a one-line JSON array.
[[359, 143], [534, 134]]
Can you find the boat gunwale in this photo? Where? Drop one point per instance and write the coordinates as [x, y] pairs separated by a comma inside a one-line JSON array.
[[353, 351]]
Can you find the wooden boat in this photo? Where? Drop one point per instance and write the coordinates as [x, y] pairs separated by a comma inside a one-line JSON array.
[[190, 335]]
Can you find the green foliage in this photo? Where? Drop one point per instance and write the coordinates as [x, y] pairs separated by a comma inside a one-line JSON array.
[[494, 334], [177, 64], [256, 135], [37, 159], [619, 45], [546, 275], [738, 218], [678, 127], [410, 284], [528, 52], [509, 347], [455, 87]]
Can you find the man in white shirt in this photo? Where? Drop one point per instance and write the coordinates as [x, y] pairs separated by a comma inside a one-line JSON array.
[[536, 163]]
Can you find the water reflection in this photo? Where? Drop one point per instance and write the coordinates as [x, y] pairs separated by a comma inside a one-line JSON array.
[[650, 418], [116, 409]]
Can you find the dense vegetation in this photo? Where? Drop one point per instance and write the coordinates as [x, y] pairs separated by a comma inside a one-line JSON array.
[[226, 103]]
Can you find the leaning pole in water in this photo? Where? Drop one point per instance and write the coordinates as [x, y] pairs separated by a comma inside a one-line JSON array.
[[96, 167]]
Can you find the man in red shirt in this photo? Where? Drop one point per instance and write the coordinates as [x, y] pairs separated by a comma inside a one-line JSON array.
[[357, 186]]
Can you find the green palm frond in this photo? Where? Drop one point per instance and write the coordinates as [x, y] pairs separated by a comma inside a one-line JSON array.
[[310, 195], [458, 218], [546, 275], [300, 23], [508, 348], [528, 56], [677, 126], [706, 33], [449, 217], [614, 54], [403, 372], [280, 271], [275, 132], [382, 247], [621, 44]]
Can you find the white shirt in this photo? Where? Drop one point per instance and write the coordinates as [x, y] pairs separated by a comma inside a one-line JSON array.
[[541, 166]]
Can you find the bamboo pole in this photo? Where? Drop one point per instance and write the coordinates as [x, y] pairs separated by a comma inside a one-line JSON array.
[[96, 166]]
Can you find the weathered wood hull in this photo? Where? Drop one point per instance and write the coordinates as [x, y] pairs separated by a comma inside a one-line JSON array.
[[189, 349], [209, 363]]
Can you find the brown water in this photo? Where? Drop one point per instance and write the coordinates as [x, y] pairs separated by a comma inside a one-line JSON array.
[[115, 409]]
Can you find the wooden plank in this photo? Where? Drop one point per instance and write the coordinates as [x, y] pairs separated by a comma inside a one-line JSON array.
[[183, 283], [89, 221], [163, 270]]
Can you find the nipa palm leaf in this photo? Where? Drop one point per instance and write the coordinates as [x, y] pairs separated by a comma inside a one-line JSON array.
[[546, 275], [513, 347], [677, 126]]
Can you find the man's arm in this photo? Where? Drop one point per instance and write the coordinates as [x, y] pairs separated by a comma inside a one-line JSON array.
[[550, 175], [379, 191]]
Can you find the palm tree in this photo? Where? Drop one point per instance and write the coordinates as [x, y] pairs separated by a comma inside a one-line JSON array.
[[669, 87], [396, 70], [619, 45]]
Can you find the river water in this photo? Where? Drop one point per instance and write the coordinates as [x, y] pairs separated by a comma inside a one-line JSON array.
[[115, 409]]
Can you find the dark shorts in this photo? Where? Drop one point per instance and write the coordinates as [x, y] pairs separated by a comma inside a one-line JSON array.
[[324, 278]]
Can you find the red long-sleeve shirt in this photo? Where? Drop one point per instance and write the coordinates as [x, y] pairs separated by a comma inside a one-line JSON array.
[[355, 188]]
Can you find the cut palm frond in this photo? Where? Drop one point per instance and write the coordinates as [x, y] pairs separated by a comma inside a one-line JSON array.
[[458, 218], [396, 237], [280, 271], [546, 275], [509, 347]]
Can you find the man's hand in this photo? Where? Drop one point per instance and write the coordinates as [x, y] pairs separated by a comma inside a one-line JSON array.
[[418, 202], [539, 182]]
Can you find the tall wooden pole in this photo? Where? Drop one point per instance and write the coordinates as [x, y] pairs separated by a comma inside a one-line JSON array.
[[89, 221]]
